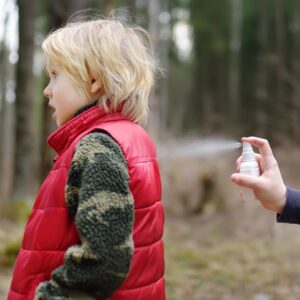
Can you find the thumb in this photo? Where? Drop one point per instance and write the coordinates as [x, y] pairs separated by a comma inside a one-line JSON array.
[[245, 180]]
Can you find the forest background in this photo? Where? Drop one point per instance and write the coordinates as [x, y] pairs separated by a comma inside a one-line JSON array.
[[231, 69]]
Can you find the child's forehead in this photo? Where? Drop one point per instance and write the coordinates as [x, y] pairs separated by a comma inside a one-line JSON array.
[[50, 64]]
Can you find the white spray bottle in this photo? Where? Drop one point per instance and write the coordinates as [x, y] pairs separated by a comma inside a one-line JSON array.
[[248, 166]]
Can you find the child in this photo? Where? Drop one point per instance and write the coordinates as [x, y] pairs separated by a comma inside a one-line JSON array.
[[95, 231], [269, 188]]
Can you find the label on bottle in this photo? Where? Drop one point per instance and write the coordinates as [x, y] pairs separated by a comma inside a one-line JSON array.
[[250, 169]]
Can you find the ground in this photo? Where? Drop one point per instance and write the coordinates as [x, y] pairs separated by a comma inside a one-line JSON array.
[[207, 262], [233, 251], [10, 234], [207, 259]]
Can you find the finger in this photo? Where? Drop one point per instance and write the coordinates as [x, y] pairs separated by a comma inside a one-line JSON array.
[[245, 180], [238, 163], [258, 157], [263, 145]]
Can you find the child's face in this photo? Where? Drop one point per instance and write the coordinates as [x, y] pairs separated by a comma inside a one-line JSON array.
[[63, 96]]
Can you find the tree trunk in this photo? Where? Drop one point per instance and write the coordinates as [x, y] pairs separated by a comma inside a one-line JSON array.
[[108, 6], [8, 149], [295, 111], [235, 54], [279, 134], [6, 123], [25, 87], [3, 80], [154, 118], [262, 72], [59, 12], [164, 60], [132, 10]]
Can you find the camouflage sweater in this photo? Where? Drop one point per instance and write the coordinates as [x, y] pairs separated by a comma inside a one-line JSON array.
[[99, 200]]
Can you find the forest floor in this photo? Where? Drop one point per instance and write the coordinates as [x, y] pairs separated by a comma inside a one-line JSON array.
[[10, 236], [236, 253], [205, 262]]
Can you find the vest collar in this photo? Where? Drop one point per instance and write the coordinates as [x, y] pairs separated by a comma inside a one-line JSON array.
[[64, 135]]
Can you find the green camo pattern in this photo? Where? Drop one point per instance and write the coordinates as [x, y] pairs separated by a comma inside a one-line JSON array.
[[99, 200]]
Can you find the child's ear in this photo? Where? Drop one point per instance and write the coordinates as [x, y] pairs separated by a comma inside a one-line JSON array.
[[96, 86]]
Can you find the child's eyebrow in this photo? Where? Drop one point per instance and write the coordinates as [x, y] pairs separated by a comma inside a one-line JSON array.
[[49, 66], [46, 71], [49, 69]]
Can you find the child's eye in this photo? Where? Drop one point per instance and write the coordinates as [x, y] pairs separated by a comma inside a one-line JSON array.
[[53, 73]]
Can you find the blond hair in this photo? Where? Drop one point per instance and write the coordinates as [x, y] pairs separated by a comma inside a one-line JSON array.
[[118, 55]]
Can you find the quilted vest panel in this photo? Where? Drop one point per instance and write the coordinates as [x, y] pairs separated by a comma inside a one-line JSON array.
[[50, 231]]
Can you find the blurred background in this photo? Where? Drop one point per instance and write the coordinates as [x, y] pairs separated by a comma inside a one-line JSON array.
[[231, 69]]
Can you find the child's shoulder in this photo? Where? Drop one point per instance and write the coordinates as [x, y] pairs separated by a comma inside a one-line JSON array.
[[96, 137], [97, 142]]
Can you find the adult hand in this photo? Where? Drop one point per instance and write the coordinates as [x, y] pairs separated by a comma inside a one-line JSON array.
[[268, 188]]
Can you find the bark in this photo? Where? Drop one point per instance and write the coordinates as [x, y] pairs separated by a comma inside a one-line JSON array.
[[59, 13], [154, 118], [108, 6], [132, 10], [163, 86], [3, 79], [295, 111], [6, 125], [24, 170], [235, 54], [7, 153], [280, 69], [262, 72]]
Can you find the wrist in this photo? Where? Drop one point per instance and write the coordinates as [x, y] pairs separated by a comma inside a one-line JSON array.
[[282, 201]]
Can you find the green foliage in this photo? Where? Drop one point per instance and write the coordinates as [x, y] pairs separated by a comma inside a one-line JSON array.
[[251, 12], [16, 211], [13, 218], [9, 253], [267, 69], [210, 24]]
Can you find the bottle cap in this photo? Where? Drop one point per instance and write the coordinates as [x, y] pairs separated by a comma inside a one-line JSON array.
[[248, 153]]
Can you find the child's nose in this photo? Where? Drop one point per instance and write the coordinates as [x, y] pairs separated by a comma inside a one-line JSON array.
[[47, 92]]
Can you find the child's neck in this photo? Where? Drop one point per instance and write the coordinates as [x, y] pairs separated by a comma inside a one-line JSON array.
[[86, 107]]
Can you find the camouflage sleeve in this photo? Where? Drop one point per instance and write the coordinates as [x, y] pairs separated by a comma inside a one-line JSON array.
[[99, 199]]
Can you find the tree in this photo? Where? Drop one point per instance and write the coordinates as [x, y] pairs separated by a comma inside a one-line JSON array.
[[261, 94], [235, 56], [108, 6], [132, 10], [24, 167], [6, 120], [59, 11], [280, 96], [208, 107], [153, 9], [295, 64]]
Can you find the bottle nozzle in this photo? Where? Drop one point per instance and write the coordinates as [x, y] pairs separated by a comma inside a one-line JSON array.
[[248, 153]]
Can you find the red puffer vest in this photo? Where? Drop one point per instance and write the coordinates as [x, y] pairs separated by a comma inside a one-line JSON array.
[[50, 230]]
